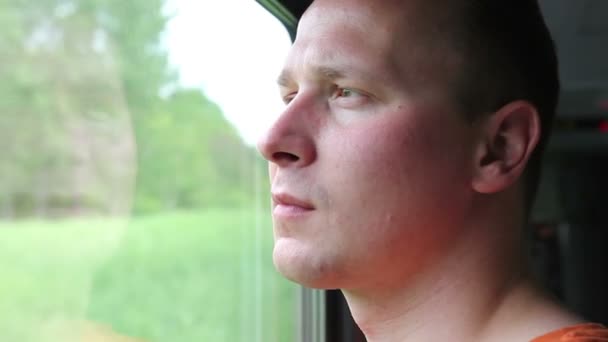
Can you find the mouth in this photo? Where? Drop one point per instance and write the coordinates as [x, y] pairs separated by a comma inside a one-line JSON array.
[[288, 206]]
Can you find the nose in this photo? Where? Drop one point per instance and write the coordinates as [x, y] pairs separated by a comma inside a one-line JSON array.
[[289, 142]]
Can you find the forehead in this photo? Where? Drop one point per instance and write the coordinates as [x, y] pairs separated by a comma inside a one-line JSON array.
[[380, 36], [357, 14], [337, 28]]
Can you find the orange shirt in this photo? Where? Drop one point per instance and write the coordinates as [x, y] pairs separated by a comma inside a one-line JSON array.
[[589, 332]]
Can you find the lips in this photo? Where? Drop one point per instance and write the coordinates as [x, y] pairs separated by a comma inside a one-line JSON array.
[[286, 199], [286, 205]]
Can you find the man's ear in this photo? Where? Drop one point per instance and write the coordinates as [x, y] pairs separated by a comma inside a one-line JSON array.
[[507, 140]]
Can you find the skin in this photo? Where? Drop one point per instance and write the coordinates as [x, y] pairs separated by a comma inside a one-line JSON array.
[[382, 189]]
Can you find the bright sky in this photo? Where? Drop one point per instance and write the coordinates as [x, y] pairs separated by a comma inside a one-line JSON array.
[[233, 50]]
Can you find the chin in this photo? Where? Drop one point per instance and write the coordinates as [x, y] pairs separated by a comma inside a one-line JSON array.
[[305, 266]]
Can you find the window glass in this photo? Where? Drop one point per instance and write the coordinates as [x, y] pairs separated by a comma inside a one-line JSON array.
[[133, 205]]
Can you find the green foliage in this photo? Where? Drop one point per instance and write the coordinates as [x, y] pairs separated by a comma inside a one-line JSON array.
[[83, 128], [182, 277], [81, 86], [189, 157]]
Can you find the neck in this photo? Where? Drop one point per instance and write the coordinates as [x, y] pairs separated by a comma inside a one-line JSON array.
[[455, 299]]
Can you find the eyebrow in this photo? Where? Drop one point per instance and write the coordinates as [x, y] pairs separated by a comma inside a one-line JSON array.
[[328, 73]]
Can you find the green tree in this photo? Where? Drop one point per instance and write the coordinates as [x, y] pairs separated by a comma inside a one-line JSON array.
[[80, 77]]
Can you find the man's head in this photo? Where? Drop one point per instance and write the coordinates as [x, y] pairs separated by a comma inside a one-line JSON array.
[[508, 55], [397, 133]]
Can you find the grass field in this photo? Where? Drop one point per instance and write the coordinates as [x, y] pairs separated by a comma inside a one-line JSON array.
[[179, 277]]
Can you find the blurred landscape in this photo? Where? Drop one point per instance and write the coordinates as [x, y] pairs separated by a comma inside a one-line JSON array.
[[183, 276], [125, 199]]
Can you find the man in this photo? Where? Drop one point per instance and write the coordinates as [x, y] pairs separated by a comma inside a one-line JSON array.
[[398, 166]]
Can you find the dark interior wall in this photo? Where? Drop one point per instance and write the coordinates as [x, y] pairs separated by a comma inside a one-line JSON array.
[[583, 183], [569, 247]]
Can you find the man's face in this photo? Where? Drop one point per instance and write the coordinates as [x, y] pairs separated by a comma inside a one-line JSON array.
[[370, 163]]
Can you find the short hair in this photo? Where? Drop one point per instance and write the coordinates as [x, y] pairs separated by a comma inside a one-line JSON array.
[[508, 54]]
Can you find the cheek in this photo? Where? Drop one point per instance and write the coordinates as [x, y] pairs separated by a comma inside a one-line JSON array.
[[388, 152], [399, 167]]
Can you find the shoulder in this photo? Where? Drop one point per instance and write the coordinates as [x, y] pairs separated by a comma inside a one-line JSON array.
[[529, 314], [588, 332]]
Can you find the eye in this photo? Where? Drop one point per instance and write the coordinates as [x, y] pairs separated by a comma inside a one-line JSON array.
[[349, 97], [289, 97], [347, 92]]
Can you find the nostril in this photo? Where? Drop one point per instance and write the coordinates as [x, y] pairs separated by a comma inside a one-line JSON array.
[[285, 157]]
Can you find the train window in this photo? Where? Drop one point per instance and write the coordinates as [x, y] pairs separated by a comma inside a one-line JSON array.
[[133, 205]]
